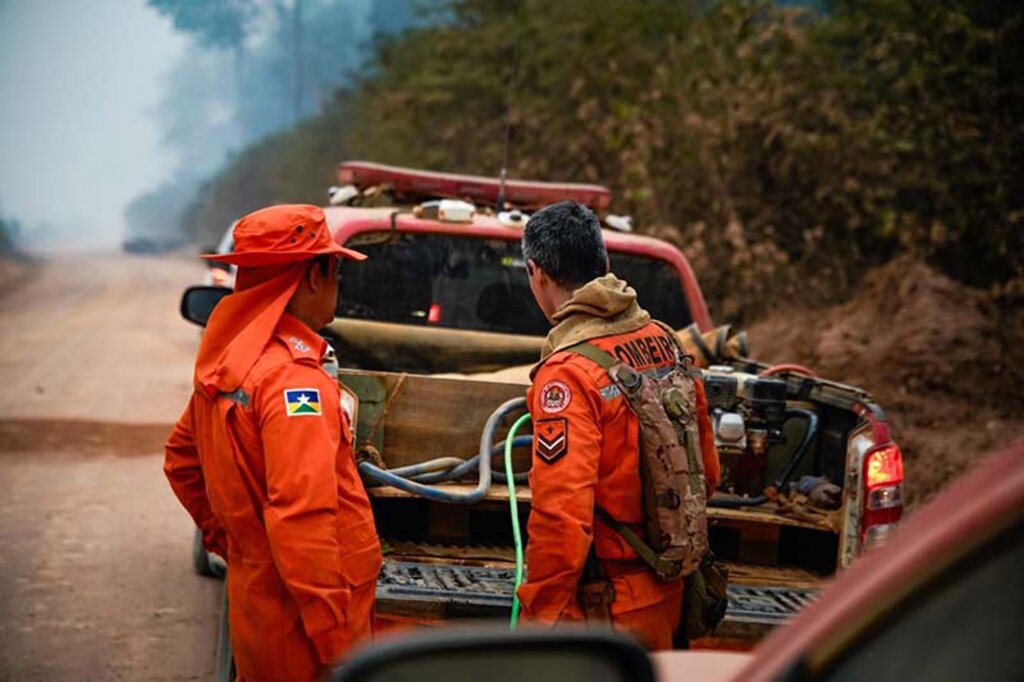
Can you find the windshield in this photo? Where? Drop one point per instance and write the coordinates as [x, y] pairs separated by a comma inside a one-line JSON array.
[[476, 284]]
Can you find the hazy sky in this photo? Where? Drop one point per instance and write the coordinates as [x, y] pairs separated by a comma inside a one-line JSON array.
[[79, 80]]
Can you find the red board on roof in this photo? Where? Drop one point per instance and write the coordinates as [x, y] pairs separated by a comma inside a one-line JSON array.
[[419, 184]]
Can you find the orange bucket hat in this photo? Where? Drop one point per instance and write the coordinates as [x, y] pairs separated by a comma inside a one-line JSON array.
[[272, 249], [282, 234]]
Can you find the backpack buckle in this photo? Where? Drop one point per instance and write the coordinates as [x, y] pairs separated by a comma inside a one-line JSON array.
[[596, 600]]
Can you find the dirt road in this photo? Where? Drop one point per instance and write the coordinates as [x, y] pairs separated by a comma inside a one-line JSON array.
[[98, 337], [95, 579]]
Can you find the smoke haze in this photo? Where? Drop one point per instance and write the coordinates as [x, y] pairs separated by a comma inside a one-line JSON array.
[[79, 83]]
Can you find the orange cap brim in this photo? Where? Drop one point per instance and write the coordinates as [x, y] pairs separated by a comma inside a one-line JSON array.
[[265, 258]]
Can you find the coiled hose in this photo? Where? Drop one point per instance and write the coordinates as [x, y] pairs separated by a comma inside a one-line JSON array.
[[482, 462], [724, 500], [464, 467]]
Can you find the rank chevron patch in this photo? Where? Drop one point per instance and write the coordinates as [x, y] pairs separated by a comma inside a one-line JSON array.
[[552, 439]]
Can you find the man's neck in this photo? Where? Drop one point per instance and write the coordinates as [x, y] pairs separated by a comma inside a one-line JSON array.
[[559, 297], [305, 319], [551, 298]]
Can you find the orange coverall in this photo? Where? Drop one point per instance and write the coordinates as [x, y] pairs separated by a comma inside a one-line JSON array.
[[270, 478], [597, 463]]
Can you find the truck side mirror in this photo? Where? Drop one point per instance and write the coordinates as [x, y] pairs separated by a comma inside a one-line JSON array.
[[497, 655], [197, 303]]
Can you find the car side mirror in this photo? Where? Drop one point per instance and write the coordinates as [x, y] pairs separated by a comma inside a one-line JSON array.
[[197, 303], [497, 655]]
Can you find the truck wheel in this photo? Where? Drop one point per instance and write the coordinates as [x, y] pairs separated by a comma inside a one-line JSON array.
[[225, 659]]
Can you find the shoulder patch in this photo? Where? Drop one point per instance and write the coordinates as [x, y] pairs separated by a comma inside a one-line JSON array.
[[555, 396], [552, 439], [302, 402], [299, 344]]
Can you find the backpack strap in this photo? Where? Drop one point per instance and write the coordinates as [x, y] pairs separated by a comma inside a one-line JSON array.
[[596, 593], [660, 566], [602, 358], [663, 568], [605, 360]]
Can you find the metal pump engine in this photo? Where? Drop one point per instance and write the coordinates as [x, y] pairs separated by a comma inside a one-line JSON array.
[[748, 413]]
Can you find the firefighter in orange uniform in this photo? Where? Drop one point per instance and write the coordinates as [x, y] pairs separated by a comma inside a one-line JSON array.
[[586, 444], [262, 456]]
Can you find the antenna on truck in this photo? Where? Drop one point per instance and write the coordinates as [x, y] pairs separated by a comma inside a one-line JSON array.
[[500, 203], [508, 126], [504, 149]]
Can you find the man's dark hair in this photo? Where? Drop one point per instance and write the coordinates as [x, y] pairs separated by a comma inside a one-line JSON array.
[[565, 240]]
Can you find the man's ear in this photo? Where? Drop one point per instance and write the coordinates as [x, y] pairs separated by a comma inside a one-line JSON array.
[[543, 278], [311, 277]]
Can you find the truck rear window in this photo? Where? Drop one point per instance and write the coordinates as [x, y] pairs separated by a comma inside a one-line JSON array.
[[475, 284]]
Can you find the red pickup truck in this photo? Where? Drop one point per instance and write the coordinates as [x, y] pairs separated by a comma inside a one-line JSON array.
[[437, 328], [445, 292]]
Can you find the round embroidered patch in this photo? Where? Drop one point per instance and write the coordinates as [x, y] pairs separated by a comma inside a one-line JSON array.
[[555, 397]]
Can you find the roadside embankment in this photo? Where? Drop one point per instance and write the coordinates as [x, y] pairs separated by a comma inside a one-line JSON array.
[[944, 361]]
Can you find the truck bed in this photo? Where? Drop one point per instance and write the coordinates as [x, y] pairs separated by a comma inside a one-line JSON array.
[[455, 562]]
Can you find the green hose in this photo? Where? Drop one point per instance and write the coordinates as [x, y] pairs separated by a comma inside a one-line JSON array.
[[514, 509]]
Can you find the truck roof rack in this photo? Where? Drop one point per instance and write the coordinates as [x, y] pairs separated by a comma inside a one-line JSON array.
[[416, 185]]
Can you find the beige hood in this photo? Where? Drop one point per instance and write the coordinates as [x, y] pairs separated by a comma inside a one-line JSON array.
[[602, 307]]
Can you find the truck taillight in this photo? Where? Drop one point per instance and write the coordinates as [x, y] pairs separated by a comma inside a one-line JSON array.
[[883, 466], [883, 498]]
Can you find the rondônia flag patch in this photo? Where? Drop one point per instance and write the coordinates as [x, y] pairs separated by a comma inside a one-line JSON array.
[[552, 438]]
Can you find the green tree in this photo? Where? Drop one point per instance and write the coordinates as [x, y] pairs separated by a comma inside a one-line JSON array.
[[784, 150], [937, 92]]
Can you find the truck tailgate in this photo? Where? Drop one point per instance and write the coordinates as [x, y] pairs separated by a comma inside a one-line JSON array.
[[428, 591]]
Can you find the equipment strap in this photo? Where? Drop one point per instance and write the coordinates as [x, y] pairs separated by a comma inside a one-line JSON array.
[[603, 358], [742, 345], [649, 556], [698, 341], [721, 336]]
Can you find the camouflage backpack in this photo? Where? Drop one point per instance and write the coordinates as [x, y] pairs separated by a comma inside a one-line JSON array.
[[671, 466]]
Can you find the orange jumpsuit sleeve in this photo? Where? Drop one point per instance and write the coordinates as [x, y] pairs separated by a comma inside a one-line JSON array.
[[184, 473], [301, 451], [712, 465], [563, 482]]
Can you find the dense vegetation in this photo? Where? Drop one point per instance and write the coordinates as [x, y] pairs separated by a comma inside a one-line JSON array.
[[784, 150]]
